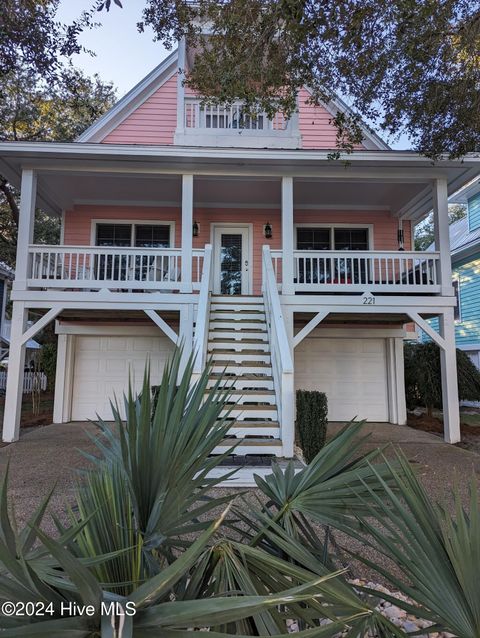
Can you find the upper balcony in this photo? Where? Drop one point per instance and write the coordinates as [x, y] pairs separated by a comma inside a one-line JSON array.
[[220, 125]]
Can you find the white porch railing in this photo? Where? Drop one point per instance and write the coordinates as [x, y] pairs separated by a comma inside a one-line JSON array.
[[96, 267], [232, 117], [360, 271], [282, 363], [200, 340]]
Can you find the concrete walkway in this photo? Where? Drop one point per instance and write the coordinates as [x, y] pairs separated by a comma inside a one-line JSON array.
[[48, 456]]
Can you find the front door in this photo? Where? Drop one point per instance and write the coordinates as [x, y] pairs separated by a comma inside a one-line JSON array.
[[231, 257]]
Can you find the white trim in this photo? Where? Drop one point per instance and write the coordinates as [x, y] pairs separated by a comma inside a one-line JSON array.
[[175, 204], [469, 346], [327, 331], [332, 226], [311, 325], [131, 100], [162, 324], [457, 278], [233, 226], [106, 329], [133, 223]]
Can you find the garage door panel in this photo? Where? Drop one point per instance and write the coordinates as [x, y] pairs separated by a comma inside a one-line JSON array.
[[104, 365], [351, 372]]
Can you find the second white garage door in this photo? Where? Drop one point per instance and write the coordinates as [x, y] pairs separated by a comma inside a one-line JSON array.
[[102, 366], [352, 373]]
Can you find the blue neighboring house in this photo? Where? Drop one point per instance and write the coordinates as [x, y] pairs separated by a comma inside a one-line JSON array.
[[465, 250]]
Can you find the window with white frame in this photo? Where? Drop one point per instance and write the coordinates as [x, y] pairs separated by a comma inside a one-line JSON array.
[[136, 235], [311, 238], [332, 238]]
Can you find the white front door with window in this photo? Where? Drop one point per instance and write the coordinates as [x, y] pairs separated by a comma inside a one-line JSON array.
[[231, 258]]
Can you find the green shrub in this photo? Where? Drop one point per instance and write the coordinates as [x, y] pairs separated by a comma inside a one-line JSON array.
[[423, 379], [48, 363], [312, 410]]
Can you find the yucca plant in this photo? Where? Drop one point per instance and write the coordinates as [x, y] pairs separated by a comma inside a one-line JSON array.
[[160, 455], [333, 490], [438, 554], [51, 575]]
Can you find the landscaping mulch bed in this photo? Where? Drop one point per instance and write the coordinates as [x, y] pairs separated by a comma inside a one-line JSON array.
[[434, 425]]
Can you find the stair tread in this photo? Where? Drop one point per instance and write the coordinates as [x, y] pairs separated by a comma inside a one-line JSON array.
[[214, 376], [246, 407], [238, 341], [255, 424], [250, 441], [243, 364], [243, 392], [237, 352]]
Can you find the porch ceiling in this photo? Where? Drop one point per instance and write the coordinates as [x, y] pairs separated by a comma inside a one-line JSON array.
[[396, 181], [68, 189]]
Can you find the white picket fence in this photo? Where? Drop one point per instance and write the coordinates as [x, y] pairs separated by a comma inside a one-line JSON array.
[[29, 379]]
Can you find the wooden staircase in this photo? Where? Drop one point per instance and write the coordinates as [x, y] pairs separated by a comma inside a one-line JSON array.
[[239, 346]]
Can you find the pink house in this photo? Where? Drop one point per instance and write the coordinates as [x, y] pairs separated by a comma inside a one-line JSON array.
[[239, 236]]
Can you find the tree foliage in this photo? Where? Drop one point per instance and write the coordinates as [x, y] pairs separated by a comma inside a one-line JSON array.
[[423, 382], [32, 109], [408, 67], [32, 38], [424, 232]]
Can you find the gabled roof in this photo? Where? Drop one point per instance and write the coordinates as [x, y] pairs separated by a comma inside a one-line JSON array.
[[462, 239], [131, 100], [163, 72]]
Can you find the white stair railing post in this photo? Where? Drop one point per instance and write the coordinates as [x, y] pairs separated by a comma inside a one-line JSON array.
[[282, 361], [203, 312]]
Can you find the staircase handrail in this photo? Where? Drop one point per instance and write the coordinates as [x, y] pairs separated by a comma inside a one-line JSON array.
[[200, 342]]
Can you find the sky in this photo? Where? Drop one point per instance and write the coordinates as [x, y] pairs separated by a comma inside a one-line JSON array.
[[123, 55]]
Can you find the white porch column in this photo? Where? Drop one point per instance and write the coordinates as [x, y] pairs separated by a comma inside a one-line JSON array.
[[28, 196], [187, 222], [180, 86], [60, 378], [442, 238], [185, 335], [16, 365], [448, 362], [400, 379], [287, 236], [16, 355]]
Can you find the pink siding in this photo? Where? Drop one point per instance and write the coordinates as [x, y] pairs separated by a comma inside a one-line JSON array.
[[78, 222], [154, 122], [78, 226], [314, 124]]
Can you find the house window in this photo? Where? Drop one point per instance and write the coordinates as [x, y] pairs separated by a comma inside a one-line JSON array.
[[313, 238], [114, 235], [138, 235], [152, 236], [324, 238], [331, 238], [456, 290], [121, 267]]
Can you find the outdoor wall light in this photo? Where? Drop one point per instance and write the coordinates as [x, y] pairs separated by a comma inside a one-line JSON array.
[[267, 230], [195, 228]]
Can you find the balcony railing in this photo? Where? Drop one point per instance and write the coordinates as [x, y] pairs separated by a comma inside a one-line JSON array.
[[360, 271], [232, 118], [97, 267]]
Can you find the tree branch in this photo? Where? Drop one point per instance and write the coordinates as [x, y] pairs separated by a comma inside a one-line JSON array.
[[11, 201]]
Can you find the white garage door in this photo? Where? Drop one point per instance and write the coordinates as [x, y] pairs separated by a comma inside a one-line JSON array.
[[102, 366], [352, 373]]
